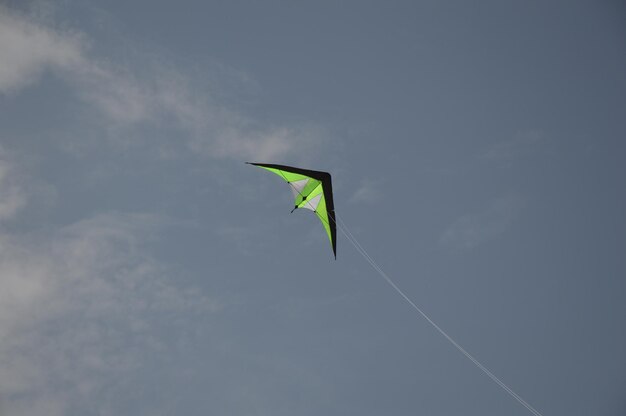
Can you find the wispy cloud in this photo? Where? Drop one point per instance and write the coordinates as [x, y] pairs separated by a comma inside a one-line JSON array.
[[80, 309], [27, 50], [522, 143], [131, 97], [471, 230], [12, 197], [367, 192]]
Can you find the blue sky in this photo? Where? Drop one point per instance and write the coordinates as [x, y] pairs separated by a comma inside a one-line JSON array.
[[476, 152]]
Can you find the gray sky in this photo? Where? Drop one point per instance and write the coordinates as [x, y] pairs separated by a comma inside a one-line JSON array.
[[476, 151]]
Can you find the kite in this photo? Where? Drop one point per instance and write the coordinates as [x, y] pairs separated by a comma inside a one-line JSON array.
[[312, 190]]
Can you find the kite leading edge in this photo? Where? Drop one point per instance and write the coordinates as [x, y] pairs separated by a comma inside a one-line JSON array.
[[312, 190]]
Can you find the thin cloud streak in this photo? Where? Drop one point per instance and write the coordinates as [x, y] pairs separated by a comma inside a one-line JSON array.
[[471, 230], [522, 143], [28, 49], [367, 192]]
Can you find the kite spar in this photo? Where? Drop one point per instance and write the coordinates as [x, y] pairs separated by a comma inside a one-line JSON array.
[[312, 190]]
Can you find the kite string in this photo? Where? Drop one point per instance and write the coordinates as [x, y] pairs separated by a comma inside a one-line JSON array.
[[346, 232]]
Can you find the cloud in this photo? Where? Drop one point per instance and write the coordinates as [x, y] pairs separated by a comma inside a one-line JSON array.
[[128, 96], [367, 192], [522, 143], [82, 309], [474, 229], [12, 197], [27, 50]]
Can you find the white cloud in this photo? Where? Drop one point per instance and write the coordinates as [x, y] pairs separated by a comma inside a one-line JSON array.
[[471, 230], [128, 97], [27, 49], [81, 307]]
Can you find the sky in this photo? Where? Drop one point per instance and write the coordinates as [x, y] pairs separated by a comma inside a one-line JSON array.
[[477, 152]]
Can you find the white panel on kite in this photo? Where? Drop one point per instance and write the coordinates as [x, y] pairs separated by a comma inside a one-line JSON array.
[[312, 203], [298, 186]]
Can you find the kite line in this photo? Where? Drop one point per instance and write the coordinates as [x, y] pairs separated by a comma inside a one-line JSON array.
[[359, 248], [346, 232]]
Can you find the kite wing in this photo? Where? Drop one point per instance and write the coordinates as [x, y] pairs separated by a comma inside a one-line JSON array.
[[312, 190]]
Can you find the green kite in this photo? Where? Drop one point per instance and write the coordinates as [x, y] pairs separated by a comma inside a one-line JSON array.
[[312, 190]]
